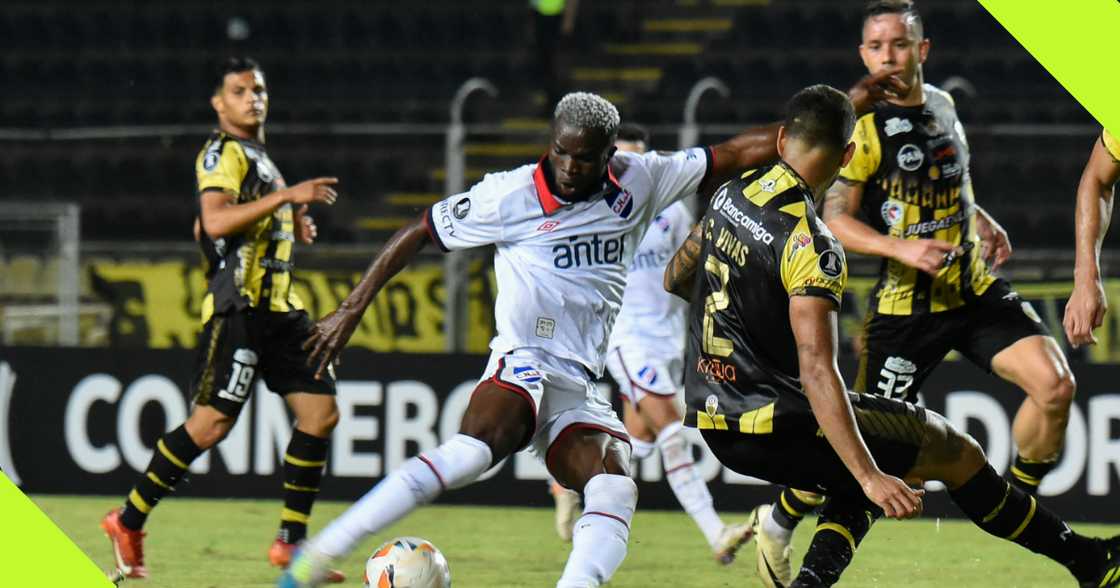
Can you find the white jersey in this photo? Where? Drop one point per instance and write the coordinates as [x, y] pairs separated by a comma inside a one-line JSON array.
[[561, 268], [651, 318]]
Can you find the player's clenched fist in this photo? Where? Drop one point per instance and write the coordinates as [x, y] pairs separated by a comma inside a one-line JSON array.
[[928, 255]]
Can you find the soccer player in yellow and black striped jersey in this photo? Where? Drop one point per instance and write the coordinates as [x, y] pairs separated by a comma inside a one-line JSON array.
[[1087, 305], [907, 197], [764, 278], [253, 323]]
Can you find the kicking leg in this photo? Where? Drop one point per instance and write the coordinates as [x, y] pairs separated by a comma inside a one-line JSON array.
[[596, 463], [497, 422], [1037, 365]]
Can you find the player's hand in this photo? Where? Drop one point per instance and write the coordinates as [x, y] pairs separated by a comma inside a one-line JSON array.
[[875, 88], [891, 494], [314, 190], [305, 228], [995, 246], [1084, 312], [928, 255], [328, 336]]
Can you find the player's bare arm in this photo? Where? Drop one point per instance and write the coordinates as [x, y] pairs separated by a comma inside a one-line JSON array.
[[1087, 305], [333, 330], [839, 208], [681, 269], [813, 320], [994, 242], [758, 145], [222, 216]]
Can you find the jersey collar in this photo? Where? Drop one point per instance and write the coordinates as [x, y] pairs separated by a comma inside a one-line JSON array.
[[550, 203]]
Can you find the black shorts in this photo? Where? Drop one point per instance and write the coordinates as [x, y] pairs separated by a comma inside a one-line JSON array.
[[798, 455], [900, 351], [234, 349]]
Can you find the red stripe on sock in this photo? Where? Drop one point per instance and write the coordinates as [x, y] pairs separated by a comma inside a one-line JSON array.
[[442, 484]]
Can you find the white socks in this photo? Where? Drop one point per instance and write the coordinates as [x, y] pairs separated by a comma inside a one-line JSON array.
[[640, 450], [601, 534], [690, 488], [456, 463], [774, 529]]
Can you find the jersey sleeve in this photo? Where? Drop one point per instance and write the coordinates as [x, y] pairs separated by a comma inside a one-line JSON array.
[[813, 264], [868, 153], [470, 219], [221, 166], [677, 174], [1111, 144]]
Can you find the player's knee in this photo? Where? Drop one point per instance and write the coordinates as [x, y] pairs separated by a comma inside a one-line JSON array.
[[209, 428], [1055, 393], [323, 423], [969, 457], [503, 438]]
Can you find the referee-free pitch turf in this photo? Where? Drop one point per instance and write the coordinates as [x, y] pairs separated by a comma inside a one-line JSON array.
[[222, 543]]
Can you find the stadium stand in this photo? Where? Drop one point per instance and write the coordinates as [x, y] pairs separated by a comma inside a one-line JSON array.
[[332, 62]]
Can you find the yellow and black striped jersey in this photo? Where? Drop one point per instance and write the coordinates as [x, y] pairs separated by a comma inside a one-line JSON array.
[[913, 161], [254, 267], [762, 244], [1111, 144]]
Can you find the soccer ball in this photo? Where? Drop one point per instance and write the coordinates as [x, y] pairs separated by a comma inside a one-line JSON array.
[[407, 562]]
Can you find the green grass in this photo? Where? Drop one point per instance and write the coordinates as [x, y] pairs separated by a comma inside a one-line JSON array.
[[222, 543]]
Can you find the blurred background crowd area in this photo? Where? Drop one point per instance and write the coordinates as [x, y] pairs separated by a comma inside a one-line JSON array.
[[106, 107]]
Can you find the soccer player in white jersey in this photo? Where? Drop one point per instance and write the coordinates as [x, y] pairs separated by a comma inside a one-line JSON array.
[[645, 355], [565, 230]]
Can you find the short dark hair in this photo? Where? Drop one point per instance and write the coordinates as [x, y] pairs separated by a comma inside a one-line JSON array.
[[902, 7], [633, 133], [236, 64], [820, 115]]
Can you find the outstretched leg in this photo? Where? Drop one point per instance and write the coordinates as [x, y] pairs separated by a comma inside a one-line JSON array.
[[497, 422]]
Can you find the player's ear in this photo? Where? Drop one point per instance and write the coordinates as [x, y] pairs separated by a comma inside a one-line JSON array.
[[781, 141], [848, 151], [216, 102], [923, 50]]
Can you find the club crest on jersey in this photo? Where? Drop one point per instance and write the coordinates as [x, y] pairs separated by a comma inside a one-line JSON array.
[[462, 207], [897, 126], [830, 264], [527, 374], [647, 375], [892, 212], [621, 203], [711, 405], [910, 157], [767, 185]]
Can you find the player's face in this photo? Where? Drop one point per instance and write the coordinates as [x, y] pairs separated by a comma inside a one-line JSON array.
[[243, 100], [890, 40], [579, 160]]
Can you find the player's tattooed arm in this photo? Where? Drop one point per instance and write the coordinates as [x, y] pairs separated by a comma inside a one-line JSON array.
[[681, 269], [331, 333], [839, 208]]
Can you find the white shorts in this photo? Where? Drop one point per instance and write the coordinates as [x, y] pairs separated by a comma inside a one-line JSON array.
[[639, 374], [561, 391]]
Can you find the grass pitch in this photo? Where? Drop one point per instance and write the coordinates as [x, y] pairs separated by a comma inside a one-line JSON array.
[[222, 544]]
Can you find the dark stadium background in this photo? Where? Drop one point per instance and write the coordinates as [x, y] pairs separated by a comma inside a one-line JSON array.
[[105, 104]]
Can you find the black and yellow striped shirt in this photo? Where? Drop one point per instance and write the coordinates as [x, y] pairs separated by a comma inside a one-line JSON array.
[[762, 244], [253, 268], [914, 164]]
